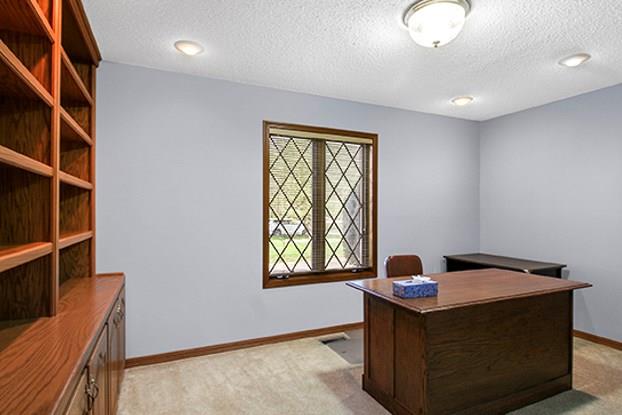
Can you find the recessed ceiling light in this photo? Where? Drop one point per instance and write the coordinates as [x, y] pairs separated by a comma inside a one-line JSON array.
[[188, 47], [434, 23], [462, 101], [575, 60]]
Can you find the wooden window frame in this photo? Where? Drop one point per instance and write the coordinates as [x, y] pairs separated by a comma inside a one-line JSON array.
[[318, 277]]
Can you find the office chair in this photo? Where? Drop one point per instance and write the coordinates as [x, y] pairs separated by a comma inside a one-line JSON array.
[[403, 265]]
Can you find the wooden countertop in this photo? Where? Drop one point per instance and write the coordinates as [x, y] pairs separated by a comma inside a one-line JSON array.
[[517, 264], [465, 288], [41, 358]]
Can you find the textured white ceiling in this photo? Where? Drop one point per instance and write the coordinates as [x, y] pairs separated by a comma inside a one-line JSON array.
[[359, 50]]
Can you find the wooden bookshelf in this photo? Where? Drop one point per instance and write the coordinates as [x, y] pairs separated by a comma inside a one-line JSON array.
[[48, 62]]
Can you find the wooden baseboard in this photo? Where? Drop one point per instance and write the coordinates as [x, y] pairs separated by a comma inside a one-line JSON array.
[[614, 344], [243, 344]]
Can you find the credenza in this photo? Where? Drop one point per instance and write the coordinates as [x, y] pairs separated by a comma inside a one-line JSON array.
[[71, 363]]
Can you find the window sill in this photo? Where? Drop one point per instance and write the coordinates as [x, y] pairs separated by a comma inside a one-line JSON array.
[[318, 279]]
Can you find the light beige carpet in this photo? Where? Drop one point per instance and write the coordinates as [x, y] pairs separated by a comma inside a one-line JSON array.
[[307, 377]]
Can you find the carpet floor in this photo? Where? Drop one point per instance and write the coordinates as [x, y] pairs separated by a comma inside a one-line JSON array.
[[308, 377]]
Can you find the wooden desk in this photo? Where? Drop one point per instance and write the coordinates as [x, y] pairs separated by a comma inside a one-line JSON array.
[[492, 341], [479, 261]]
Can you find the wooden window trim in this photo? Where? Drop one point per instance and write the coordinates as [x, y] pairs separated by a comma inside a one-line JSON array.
[[324, 277]]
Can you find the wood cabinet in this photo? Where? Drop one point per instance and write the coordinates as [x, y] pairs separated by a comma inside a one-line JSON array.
[[71, 363], [105, 368]]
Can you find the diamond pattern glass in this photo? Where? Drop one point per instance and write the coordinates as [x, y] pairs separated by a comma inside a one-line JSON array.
[[345, 227], [291, 205]]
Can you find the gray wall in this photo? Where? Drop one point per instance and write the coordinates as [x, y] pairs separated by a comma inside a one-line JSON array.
[[179, 209], [551, 189]]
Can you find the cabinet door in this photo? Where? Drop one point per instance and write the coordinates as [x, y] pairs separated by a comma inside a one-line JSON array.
[[116, 350], [98, 375], [79, 401]]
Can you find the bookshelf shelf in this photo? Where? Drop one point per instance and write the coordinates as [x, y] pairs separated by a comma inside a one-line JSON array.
[[68, 240], [74, 181], [15, 159], [12, 256], [72, 130], [77, 114]]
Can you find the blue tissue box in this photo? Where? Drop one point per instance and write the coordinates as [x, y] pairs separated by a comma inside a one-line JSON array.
[[415, 288]]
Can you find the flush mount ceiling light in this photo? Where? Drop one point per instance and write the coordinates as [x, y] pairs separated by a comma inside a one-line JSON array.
[[188, 47], [462, 101], [575, 60], [434, 23]]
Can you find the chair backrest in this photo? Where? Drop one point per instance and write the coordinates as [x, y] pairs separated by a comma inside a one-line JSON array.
[[403, 265]]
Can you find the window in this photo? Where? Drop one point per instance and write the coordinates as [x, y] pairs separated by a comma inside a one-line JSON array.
[[319, 205]]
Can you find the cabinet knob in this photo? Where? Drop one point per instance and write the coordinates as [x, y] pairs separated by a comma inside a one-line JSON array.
[[120, 312]]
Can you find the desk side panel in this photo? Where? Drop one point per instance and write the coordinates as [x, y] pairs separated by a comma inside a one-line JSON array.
[[491, 352], [410, 370], [395, 373], [379, 356]]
